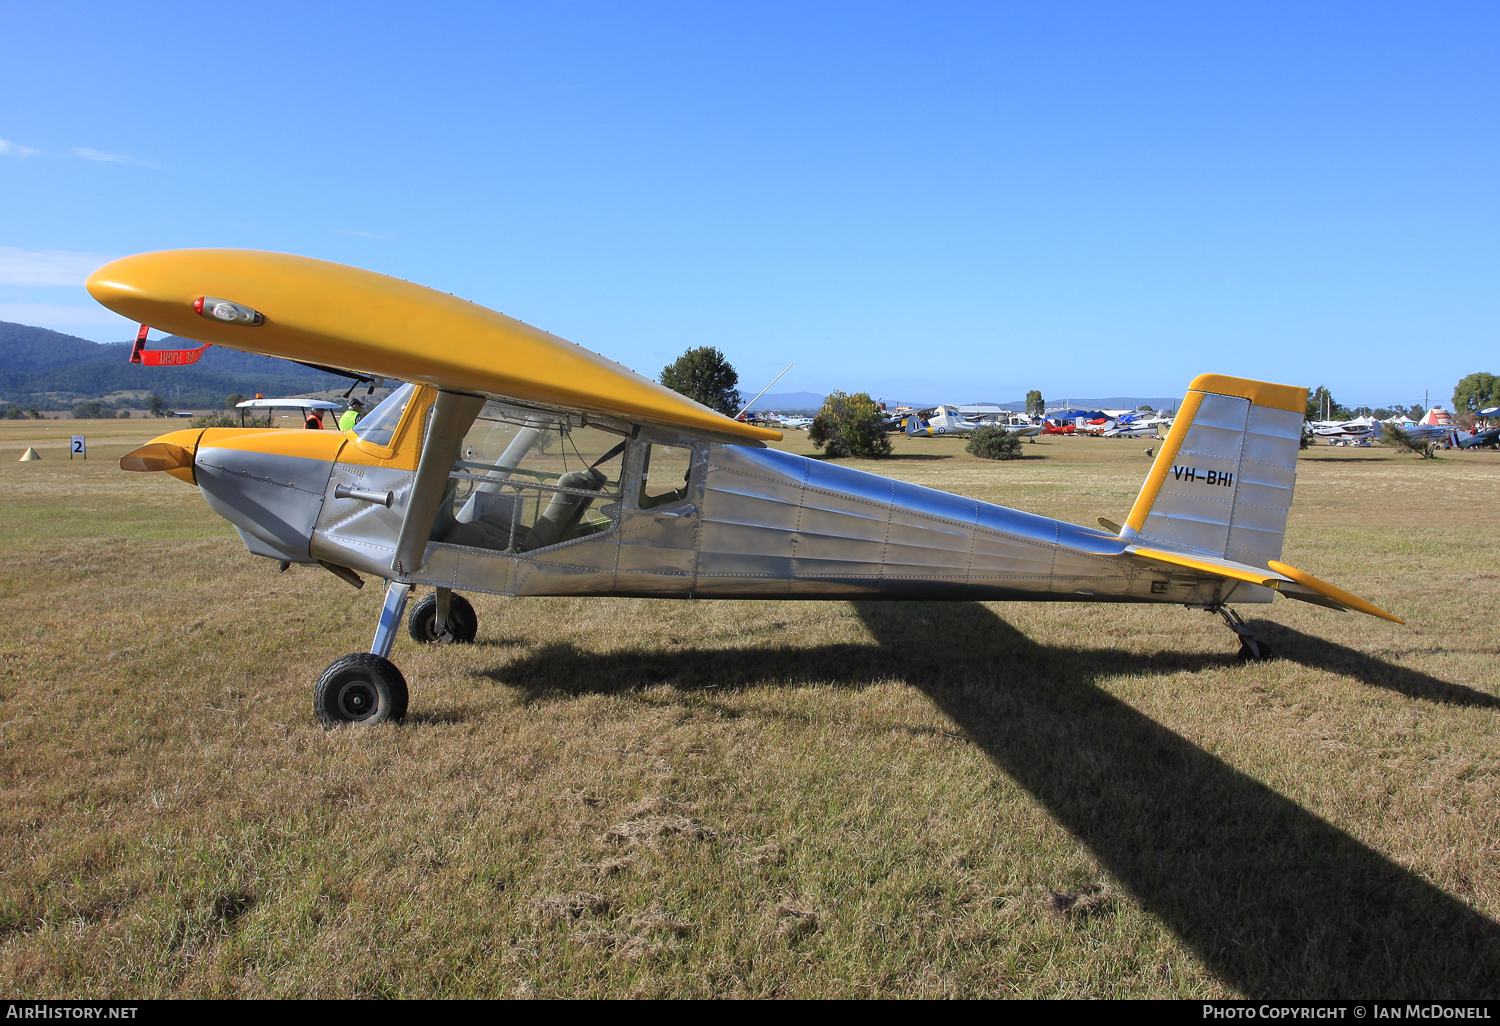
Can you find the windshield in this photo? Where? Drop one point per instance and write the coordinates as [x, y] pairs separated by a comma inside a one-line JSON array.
[[379, 426]]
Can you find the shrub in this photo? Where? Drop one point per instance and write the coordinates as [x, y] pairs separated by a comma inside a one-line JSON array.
[[213, 420], [992, 442], [850, 425]]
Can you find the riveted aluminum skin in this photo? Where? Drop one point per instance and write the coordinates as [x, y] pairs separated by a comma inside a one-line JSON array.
[[272, 500]]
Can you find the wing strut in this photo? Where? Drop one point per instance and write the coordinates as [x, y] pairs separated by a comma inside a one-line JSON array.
[[452, 416]]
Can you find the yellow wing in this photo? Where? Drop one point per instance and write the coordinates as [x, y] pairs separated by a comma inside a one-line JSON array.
[[339, 316]]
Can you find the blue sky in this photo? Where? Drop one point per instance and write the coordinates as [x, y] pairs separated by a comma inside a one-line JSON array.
[[936, 201]]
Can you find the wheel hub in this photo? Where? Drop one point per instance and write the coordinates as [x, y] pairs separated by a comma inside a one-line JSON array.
[[358, 700]]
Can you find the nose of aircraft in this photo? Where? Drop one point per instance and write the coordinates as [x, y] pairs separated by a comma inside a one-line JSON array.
[[172, 452]]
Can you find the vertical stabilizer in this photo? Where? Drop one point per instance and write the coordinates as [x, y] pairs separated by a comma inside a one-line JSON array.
[[1222, 482]]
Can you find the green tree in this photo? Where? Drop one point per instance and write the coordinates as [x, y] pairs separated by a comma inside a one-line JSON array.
[[1476, 392], [1416, 412], [1035, 407], [156, 407], [850, 425], [993, 442], [1321, 405], [233, 400], [92, 410], [704, 375]]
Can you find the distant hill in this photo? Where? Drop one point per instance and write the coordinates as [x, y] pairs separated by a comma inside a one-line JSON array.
[[50, 370]]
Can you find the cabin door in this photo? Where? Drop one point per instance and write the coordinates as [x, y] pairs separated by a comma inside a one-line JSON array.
[[659, 527]]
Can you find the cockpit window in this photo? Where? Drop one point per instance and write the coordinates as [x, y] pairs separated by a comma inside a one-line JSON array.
[[527, 479], [379, 425]]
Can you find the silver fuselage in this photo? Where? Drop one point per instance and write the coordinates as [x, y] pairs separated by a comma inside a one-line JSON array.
[[754, 523]]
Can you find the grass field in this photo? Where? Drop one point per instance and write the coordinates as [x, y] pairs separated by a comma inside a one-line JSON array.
[[659, 798]]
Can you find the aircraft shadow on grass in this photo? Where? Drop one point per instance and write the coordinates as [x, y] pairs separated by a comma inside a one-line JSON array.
[[1274, 899]]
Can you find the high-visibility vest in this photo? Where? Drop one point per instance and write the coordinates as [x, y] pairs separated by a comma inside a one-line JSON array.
[[313, 423], [348, 419]]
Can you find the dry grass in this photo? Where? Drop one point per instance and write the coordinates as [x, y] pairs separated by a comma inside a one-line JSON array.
[[626, 797]]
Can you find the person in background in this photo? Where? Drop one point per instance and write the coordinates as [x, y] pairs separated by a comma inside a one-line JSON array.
[[351, 416], [314, 420]]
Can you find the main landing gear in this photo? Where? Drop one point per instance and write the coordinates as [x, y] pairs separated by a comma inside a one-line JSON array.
[[1252, 649], [366, 688]]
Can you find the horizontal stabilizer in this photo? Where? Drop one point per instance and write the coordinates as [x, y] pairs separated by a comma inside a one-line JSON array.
[[1213, 565], [1291, 582], [1324, 590]]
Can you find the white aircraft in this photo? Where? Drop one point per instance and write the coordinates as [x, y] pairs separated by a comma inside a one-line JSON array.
[[950, 420], [1356, 430], [1145, 426]]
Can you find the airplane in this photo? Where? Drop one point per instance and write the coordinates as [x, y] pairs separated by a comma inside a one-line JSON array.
[[1017, 424], [1148, 426], [515, 463], [950, 420], [1335, 431], [1481, 440], [938, 420]]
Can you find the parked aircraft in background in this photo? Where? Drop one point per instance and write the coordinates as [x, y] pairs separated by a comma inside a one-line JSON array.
[[1482, 440], [1345, 430], [516, 463], [939, 420], [1143, 425], [955, 420]]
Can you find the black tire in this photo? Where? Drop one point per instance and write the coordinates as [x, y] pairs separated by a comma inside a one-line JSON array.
[[463, 622], [1248, 655], [360, 689]]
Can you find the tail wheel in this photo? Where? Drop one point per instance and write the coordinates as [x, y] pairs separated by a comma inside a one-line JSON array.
[[1254, 651], [361, 689], [463, 622]]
